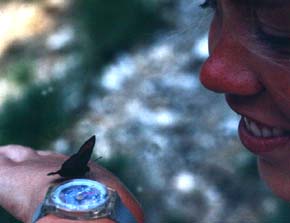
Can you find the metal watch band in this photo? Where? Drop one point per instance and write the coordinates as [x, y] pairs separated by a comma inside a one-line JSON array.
[[122, 213]]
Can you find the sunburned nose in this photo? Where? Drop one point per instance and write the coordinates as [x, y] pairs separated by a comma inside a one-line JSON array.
[[228, 77], [228, 70]]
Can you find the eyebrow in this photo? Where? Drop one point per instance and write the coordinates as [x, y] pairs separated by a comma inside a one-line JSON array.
[[269, 3]]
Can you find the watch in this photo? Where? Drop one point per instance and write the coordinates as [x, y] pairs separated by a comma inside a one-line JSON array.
[[83, 199]]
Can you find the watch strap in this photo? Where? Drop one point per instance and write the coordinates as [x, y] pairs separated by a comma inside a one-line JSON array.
[[122, 213], [39, 213]]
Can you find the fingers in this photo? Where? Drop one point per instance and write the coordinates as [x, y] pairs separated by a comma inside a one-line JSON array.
[[18, 153]]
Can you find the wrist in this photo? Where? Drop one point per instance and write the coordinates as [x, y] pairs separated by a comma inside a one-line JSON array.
[[52, 208], [38, 197], [52, 218]]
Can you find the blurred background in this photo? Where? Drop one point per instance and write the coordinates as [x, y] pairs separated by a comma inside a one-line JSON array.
[[127, 71]]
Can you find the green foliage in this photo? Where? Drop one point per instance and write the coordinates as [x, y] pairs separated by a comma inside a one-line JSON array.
[[35, 118], [249, 170], [115, 163], [40, 114], [121, 166], [20, 72], [282, 215], [111, 26], [175, 218]]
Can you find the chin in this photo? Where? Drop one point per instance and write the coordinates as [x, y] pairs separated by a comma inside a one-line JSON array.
[[277, 179]]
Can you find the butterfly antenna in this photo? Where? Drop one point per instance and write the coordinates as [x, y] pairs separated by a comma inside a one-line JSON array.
[[100, 157]]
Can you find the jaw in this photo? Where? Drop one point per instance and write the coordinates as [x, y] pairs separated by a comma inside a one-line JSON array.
[[277, 178]]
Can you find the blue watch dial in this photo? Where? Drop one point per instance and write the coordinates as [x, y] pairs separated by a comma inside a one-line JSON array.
[[80, 195]]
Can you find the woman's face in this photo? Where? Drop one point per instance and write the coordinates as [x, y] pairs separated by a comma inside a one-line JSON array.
[[249, 61]]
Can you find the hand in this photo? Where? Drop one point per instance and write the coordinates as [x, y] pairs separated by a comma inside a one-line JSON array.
[[24, 181]]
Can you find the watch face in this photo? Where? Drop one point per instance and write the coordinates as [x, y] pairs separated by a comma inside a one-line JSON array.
[[80, 195]]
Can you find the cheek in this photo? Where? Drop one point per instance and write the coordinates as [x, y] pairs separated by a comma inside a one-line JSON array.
[[277, 81], [281, 94]]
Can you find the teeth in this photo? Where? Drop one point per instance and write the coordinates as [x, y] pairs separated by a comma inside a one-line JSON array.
[[263, 131], [255, 129], [278, 132], [266, 132]]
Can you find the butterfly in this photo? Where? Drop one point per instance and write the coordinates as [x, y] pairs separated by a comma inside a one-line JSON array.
[[77, 164]]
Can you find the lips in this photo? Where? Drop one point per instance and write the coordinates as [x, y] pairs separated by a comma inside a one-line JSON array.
[[260, 130], [260, 138]]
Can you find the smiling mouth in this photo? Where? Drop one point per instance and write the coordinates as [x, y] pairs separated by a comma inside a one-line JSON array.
[[259, 138], [260, 130]]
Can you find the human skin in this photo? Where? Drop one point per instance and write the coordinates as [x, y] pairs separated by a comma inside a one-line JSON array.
[[249, 47], [24, 183]]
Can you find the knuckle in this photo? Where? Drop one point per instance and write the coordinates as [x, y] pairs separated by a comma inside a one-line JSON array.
[[17, 153]]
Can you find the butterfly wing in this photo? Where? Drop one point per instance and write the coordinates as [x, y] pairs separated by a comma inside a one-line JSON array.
[[77, 163], [85, 152]]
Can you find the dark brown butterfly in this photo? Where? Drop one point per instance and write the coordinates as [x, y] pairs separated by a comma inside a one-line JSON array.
[[77, 164]]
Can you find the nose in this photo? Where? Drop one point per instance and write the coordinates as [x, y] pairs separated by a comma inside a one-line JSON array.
[[228, 69]]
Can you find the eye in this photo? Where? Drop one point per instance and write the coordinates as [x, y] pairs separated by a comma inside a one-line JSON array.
[[272, 28], [277, 43], [209, 4], [274, 39]]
